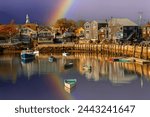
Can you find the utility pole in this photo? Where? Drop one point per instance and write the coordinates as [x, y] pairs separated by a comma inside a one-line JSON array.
[[140, 23]]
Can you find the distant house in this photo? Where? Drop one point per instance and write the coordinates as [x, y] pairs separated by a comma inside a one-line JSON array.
[[88, 32], [45, 34], [28, 33], [119, 28], [29, 30], [93, 28], [146, 31]]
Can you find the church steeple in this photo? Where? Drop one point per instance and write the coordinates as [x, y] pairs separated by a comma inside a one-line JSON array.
[[27, 19]]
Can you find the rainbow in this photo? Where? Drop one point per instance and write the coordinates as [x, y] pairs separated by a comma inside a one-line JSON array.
[[60, 10], [55, 82]]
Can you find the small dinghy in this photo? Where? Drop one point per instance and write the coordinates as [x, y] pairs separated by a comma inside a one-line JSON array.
[[70, 83], [68, 65], [65, 54], [51, 59]]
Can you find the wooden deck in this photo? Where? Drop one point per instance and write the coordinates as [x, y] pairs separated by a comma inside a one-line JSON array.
[[142, 52]]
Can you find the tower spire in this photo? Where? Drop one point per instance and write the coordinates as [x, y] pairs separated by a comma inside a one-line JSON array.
[[27, 19]]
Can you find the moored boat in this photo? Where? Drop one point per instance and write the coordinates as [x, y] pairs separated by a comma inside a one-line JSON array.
[[51, 59], [126, 60], [70, 83], [68, 65], [27, 54], [65, 54]]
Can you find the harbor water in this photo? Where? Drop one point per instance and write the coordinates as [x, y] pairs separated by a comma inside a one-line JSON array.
[[40, 79]]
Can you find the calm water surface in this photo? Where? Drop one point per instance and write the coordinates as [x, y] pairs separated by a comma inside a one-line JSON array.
[[40, 79]]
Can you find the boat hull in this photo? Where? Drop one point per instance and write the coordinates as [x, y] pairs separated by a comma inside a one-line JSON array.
[[24, 61], [70, 83], [27, 56], [51, 59], [68, 66]]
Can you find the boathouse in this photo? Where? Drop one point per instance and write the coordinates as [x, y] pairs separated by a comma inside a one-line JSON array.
[[122, 28]]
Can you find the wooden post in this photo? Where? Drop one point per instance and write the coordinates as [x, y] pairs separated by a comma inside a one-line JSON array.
[[123, 49], [134, 50], [127, 50], [141, 53], [146, 51], [115, 49]]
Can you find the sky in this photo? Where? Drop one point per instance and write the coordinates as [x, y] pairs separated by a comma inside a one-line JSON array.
[[47, 11]]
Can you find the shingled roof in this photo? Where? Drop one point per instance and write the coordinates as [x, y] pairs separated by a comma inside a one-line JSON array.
[[122, 22]]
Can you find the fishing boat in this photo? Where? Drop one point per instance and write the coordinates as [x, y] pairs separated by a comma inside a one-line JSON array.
[[27, 54], [68, 65], [70, 83], [51, 59]]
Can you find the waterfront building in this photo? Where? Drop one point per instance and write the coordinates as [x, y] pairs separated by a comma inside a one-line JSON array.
[[146, 31], [45, 34], [93, 28], [122, 28], [29, 31]]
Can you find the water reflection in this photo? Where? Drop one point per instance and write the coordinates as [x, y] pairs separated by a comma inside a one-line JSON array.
[[101, 69], [94, 73]]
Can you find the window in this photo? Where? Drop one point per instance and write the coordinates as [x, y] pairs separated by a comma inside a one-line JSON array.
[[87, 26]]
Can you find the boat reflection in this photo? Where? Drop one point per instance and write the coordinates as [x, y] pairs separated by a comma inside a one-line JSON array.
[[25, 61], [69, 90]]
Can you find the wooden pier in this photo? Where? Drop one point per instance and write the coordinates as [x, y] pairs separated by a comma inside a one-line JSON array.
[[136, 51]]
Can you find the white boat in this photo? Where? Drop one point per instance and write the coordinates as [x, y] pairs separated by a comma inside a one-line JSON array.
[[36, 52], [27, 54], [65, 54]]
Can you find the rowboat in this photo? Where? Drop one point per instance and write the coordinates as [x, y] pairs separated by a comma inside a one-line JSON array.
[[68, 65], [122, 60], [126, 60], [70, 83]]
